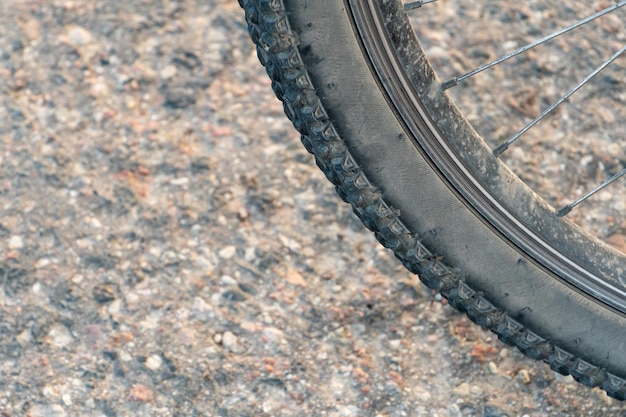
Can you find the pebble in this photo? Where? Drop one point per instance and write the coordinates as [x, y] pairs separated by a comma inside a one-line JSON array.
[[141, 393], [151, 321], [453, 410], [99, 89], [78, 36], [60, 336], [114, 308], [200, 306], [24, 338], [46, 410], [231, 342], [295, 277], [395, 343], [31, 27], [180, 181], [179, 97], [104, 293], [603, 397], [493, 411], [132, 301], [345, 411], [290, 243], [273, 335], [16, 242], [228, 280], [228, 252], [271, 405], [250, 254], [154, 362], [125, 356], [462, 390], [168, 72], [42, 263], [524, 375], [234, 295]]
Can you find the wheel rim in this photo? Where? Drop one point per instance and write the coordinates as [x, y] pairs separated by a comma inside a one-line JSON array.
[[461, 156]]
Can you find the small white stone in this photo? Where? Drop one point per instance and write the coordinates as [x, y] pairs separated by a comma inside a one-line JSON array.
[[270, 405], [95, 223], [273, 334], [231, 342], [16, 242], [114, 307], [99, 89], [168, 72], [200, 305], [24, 338], [60, 336], [228, 252], [154, 362], [180, 181], [78, 36], [42, 263], [45, 410], [151, 321], [228, 280], [250, 254], [132, 301]]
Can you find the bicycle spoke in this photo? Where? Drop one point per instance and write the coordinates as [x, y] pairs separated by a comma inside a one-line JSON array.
[[416, 4], [567, 208], [454, 81], [505, 145]]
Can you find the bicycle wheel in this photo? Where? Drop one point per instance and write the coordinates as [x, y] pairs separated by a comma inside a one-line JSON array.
[[358, 87]]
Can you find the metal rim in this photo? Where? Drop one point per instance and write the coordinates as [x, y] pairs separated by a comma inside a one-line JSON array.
[[462, 157]]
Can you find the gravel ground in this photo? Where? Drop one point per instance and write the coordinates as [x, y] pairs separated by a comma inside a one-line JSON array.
[[167, 247]]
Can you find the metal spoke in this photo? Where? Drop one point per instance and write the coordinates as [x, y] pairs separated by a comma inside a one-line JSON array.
[[504, 146], [416, 4], [567, 208], [454, 81], [498, 150]]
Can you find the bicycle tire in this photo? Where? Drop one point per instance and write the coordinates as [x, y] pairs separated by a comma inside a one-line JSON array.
[[335, 94]]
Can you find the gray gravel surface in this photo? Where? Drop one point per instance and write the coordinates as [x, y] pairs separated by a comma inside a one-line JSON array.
[[167, 247]]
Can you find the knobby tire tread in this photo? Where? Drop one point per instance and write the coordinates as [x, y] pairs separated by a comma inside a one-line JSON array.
[[277, 49]]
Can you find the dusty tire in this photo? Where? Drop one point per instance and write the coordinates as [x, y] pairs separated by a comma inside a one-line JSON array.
[[334, 94]]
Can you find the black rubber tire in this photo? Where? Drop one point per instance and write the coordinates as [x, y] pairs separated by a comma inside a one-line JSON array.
[[334, 97]]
